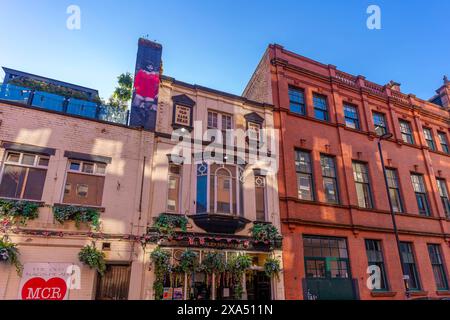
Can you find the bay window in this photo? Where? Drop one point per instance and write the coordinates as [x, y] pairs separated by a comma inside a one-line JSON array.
[[219, 188]]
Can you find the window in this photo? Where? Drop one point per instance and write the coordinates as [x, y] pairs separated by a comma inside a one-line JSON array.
[[329, 178], [297, 101], [220, 121], [254, 130], [213, 120], [326, 257], [379, 120], [304, 175], [434, 250], [409, 264], [405, 129], [84, 183], [394, 190], [362, 182], [444, 142], [320, 107], [351, 116], [375, 257], [174, 185], [225, 185], [421, 194], [429, 138], [23, 176], [260, 197], [443, 192]]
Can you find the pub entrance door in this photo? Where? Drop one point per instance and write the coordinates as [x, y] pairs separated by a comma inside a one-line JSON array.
[[114, 284]]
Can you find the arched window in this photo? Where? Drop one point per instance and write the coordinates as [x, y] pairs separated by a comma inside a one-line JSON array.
[[219, 189]]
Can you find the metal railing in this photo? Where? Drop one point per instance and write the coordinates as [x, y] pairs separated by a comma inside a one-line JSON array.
[[59, 103]]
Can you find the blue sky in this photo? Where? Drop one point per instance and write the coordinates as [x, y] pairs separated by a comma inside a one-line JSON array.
[[218, 43]]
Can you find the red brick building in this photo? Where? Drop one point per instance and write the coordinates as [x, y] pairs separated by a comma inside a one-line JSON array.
[[334, 206]]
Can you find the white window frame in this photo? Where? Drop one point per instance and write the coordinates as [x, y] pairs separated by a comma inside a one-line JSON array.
[[68, 170], [37, 157]]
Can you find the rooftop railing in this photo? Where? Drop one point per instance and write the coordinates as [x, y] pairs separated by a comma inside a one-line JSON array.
[[71, 106]]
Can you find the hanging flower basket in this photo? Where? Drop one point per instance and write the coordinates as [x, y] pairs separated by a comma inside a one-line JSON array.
[[93, 258], [10, 254], [265, 233], [272, 268]]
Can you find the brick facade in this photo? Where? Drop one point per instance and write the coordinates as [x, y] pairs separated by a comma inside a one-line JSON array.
[[346, 219]]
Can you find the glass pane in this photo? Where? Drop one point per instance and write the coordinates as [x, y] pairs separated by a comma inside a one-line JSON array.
[[35, 184], [12, 181], [88, 189], [88, 167], [101, 168], [28, 159], [43, 162], [13, 157], [74, 166]]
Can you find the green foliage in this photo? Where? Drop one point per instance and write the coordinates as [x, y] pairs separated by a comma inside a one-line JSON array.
[[19, 210], [93, 258], [188, 262], [123, 92], [213, 262], [10, 254], [265, 232], [166, 223], [237, 266], [272, 267], [77, 214], [52, 88], [240, 263], [161, 261]]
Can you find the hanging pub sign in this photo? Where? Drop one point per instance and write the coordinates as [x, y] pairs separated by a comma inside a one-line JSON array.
[[46, 281], [146, 85]]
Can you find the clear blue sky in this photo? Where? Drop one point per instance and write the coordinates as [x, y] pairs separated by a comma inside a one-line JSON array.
[[218, 43]]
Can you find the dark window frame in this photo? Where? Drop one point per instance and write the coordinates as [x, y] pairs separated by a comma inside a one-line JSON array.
[[407, 136], [334, 178], [443, 141], [354, 120], [385, 127], [410, 267], [429, 140], [367, 185], [443, 193], [396, 188], [319, 109], [300, 104], [382, 262], [310, 174], [421, 195], [440, 264]]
